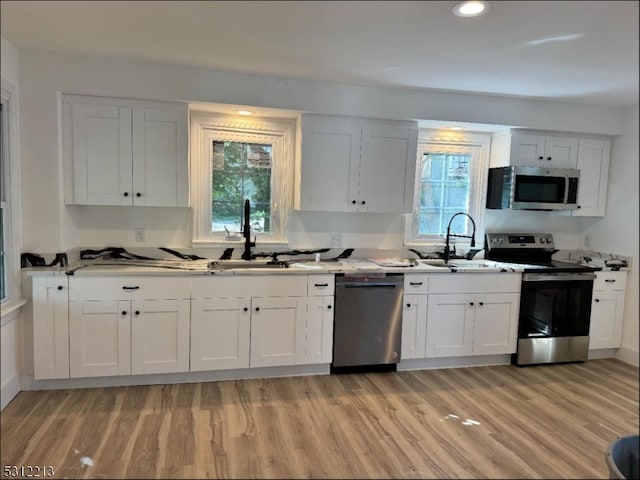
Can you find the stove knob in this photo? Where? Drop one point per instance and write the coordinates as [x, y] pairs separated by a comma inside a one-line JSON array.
[[541, 240], [548, 240]]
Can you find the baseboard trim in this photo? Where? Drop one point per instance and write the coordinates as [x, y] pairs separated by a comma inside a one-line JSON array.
[[9, 389], [29, 383], [628, 355], [602, 353], [454, 362]]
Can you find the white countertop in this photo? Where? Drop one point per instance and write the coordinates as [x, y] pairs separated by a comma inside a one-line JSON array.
[[201, 267]]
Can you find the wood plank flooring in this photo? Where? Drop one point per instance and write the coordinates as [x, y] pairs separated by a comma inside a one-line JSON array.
[[552, 421]]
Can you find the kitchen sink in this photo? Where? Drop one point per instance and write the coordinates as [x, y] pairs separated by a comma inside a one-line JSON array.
[[246, 264]]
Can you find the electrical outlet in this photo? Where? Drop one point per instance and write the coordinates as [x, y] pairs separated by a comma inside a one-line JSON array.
[[140, 234], [587, 240]]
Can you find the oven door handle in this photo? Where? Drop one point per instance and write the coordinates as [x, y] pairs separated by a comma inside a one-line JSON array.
[[557, 277]]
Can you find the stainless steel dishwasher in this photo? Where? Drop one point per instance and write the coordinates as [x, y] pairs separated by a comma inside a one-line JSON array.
[[368, 320]]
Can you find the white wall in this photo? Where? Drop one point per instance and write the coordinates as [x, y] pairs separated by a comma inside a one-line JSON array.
[[618, 231], [11, 321], [50, 226]]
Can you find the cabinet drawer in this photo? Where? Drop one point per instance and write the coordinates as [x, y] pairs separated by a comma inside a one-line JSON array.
[[416, 284], [128, 288], [320, 285], [610, 281], [249, 286], [475, 283]]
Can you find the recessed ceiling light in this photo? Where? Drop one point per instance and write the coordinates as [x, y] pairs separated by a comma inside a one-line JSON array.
[[244, 112], [471, 8]]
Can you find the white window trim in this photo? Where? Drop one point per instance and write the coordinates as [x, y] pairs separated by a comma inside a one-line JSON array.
[[452, 141], [280, 133], [11, 182]]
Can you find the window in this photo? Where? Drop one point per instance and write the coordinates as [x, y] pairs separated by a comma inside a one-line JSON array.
[[450, 178], [9, 204], [240, 171], [236, 160]]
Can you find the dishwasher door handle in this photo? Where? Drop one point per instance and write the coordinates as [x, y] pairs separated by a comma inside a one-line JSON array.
[[369, 285]]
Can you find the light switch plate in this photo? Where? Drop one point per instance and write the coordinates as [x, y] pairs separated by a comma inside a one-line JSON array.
[[335, 240], [139, 234]]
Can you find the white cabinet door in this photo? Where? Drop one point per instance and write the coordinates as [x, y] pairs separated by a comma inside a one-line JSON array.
[[495, 326], [387, 168], [99, 338], [330, 164], [50, 327], [220, 333], [101, 150], [607, 309], [414, 326], [526, 150], [160, 166], [560, 152], [277, 331], [450, 325], [159, 336], [319, 331], [539, 150], [593, 163]]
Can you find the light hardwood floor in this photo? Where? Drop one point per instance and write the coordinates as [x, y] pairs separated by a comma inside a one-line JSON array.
[[552, 421]]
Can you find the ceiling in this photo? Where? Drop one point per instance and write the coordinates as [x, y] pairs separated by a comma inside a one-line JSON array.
[[583, 52]]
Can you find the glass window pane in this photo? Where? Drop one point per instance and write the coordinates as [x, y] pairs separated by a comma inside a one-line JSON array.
[[444, 191], [241, 171]]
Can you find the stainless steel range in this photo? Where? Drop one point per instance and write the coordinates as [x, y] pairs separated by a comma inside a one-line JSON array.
[[555, 301]]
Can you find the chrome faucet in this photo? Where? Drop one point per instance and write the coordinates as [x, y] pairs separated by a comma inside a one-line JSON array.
[[246, 231], [447, 250]]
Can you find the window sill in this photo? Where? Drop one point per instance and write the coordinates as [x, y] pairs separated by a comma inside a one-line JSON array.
[[11, 309]]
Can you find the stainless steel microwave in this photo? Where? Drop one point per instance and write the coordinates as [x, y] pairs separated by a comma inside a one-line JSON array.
[[533, 188]]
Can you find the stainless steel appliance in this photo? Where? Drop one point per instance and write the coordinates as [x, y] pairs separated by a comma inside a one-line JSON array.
[[368, 321], [555, 301], [533, 188]]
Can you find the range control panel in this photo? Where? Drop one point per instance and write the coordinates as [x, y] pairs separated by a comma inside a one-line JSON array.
[[537, 241]]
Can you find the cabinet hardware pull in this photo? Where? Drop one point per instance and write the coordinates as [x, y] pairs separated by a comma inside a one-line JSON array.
[[124, 312], [548, 158], [471, 303], [126, 194], [137, 312], [597, 299], [579, 206], [415, 284], [257, 309], [131, 288], [59, 287], [610, 280], [353, 201], [245, 309], [329, 307], [540, 158], [481, 303], [138, 194], [408, 305], [321, 284], [363, 202]]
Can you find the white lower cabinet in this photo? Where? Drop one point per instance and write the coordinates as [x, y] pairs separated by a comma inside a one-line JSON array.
[[220, 333], [50, 312], [251, 324], [607, 310], [278, 331], [128, 325], [478, 317]]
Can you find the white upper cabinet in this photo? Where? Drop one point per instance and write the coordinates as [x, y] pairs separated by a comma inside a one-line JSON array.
[[356, 165], [125, 152], [534, 149], [593, 163]]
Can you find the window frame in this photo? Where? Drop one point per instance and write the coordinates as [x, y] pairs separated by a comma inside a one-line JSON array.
[[205, 127], [438, 141], [10, 195]]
